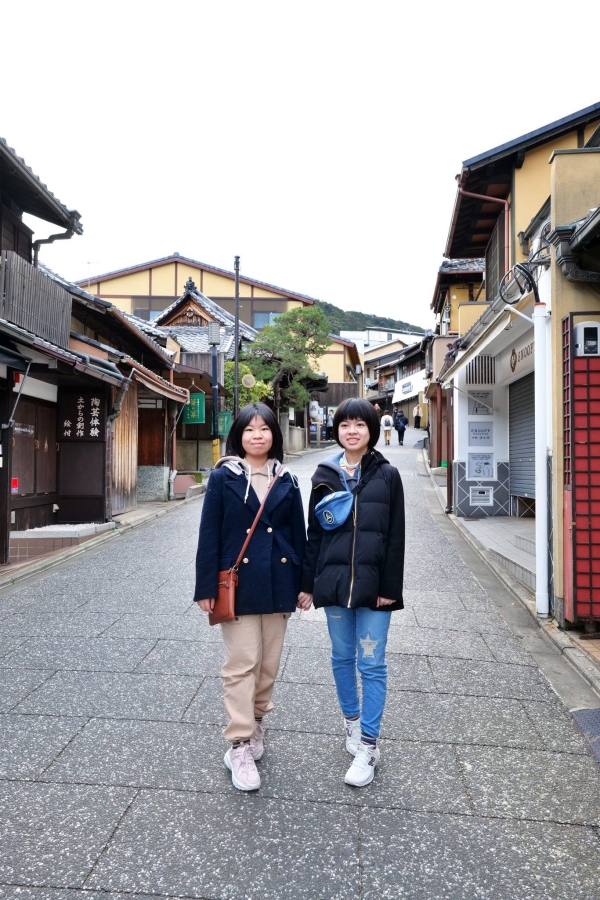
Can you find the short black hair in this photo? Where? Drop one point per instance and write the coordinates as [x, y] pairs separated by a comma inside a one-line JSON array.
[[354, 408], [234, 445]]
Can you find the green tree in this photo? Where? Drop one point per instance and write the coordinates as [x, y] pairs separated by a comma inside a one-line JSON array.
[[260, 391], [287, 353]]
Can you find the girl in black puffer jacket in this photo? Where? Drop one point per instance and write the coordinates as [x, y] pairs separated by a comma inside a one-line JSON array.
[[355, 571]]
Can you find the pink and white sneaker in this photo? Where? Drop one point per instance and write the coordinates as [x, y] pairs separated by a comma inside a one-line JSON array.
[[352, 729], [240, 763], [257, 741]]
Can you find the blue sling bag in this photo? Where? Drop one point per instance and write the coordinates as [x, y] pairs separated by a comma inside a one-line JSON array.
[[332, 511]]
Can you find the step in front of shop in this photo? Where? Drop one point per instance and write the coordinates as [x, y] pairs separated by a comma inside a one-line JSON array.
[[26, 545], [519, 570]]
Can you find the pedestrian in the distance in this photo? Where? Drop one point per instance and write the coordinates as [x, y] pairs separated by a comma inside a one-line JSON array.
[[400, 422], [387, 423], [269, 575], [353, 567], [329, 432], [417, 413]]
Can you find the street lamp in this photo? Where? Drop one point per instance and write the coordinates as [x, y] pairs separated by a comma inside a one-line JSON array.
[[214, 341]]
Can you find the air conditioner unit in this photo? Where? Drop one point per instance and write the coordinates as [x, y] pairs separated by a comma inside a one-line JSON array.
[[587, 339]]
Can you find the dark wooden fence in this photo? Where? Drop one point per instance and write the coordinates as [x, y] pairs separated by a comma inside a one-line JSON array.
[[33, 301]]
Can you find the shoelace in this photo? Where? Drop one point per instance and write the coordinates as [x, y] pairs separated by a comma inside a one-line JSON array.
[[245, 759], [363, 755]]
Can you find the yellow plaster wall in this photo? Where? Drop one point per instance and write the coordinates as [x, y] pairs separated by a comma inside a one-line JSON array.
[[574, 180], [262, 292], [163, 280], [590, 129], [332, 363], [457, 293], [468, 313], [375, 352], [133, 283], [184, 272], [532, 183], [217, 285]]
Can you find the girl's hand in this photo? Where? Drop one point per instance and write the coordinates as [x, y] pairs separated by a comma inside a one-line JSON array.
[[304, 600], [382, 601], [206, 605]]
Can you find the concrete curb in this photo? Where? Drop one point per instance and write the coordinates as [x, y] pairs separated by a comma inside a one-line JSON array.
[[50, 562], [585, 665]]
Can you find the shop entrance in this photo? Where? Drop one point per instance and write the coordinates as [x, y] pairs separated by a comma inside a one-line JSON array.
[[521, 433]]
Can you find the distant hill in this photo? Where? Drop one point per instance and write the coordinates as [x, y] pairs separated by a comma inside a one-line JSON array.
[[340, 320]]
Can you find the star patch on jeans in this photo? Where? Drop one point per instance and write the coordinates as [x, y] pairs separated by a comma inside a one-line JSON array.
[[368, 645]]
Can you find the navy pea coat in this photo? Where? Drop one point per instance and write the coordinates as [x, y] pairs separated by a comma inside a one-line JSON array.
[[269, 580]]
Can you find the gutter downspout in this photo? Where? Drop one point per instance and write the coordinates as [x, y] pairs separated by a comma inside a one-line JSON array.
[[505, 203], [540, 317], [74, 228]]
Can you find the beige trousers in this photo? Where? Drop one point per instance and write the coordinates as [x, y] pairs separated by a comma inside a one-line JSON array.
[[253, 645]]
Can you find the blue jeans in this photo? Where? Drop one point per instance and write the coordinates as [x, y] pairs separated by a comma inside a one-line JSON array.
[[358, 639]]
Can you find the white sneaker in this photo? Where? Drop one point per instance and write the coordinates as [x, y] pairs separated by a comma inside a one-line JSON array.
[[244, 774], [352, 729], [362, 770], [257, 741]]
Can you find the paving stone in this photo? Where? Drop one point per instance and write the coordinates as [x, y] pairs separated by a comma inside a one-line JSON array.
[[51, 834], [181, 628], [415, 856], [276, 849], [8, 644], [445, 600], [34, 622], [207, 707], [555, 725], [480, 622], [529, 784], [306, 634], [17, 685], [509, 649], [409, 673], [431, 642], [309, 665], [305, 708], [84, 654], [485, 679], [182, 756], [12, 892], [123, 695], [455, 719], [417, 776], [30, 743], [196, 658]]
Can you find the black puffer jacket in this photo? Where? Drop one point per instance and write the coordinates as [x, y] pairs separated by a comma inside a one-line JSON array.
[[363, 559]]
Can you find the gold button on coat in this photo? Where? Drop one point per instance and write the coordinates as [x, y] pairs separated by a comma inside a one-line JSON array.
[[245, 559], [283, 559]]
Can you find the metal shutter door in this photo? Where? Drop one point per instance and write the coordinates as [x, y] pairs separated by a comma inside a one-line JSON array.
[[521, 432]]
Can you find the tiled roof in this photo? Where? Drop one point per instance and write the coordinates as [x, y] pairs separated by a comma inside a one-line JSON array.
[[194, 339], [37, 193], [213, 309], [458, 266]]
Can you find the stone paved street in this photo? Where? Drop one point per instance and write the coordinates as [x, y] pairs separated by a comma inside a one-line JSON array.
[[112, 781]]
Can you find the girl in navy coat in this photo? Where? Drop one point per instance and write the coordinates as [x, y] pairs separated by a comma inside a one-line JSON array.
[[269, 575]]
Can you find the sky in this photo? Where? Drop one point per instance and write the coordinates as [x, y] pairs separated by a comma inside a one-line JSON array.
[[318, 141]]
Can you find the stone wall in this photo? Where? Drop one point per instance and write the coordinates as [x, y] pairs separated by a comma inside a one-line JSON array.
[[153, 484]]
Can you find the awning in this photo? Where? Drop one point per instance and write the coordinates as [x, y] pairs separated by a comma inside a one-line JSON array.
[[13, 360], [158, 385]]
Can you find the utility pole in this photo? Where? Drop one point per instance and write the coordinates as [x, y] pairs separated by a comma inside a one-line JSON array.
[[214, 340], [236, 370]]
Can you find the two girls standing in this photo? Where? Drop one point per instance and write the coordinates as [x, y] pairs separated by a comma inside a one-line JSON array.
[[353, 570]]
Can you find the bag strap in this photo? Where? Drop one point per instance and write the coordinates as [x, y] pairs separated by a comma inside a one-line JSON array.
[[236, 564]]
